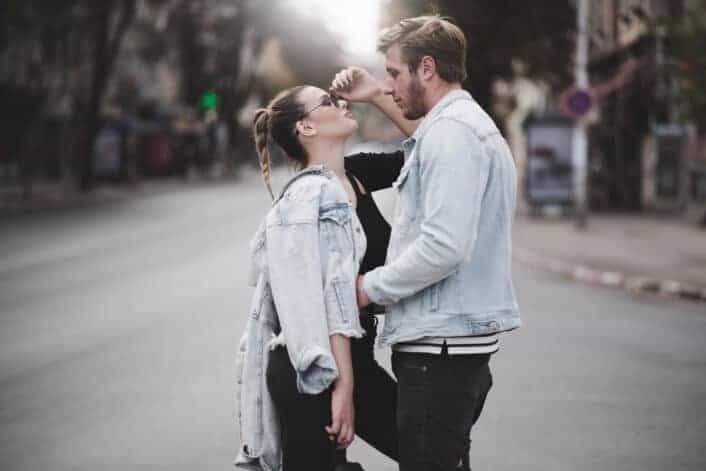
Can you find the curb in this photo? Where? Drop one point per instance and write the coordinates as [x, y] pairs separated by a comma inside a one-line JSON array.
[[631, 284]]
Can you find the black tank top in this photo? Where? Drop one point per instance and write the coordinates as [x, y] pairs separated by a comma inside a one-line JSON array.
[[375, 172]]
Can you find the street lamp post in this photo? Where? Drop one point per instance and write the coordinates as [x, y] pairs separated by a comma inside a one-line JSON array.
[[580, 140]]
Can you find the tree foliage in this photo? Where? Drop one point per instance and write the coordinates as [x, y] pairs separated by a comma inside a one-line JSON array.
[[538, 33], [86, 34], [687, 46]]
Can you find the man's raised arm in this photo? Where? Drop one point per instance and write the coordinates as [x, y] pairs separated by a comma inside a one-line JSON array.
[[358, 85]]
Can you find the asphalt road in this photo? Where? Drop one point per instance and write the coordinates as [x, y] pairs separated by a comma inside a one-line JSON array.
[[119, 324]]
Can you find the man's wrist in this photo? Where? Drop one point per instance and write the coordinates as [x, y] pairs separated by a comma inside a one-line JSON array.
[[378, 98]]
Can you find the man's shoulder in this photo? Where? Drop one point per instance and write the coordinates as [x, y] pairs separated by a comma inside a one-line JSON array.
[[464, 115]]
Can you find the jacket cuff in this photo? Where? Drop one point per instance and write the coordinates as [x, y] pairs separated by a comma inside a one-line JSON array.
[[316, 370], [371, 283], [351, 332]]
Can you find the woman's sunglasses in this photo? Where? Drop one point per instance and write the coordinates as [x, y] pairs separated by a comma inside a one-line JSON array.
[[329, 99]]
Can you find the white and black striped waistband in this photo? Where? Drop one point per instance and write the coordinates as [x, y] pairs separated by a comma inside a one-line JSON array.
[[475, 345]]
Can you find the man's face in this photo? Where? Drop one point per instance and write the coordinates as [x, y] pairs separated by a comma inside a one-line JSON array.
[[405, 87]]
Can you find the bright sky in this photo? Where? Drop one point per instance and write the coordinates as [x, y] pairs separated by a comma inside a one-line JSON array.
[[355, 20]]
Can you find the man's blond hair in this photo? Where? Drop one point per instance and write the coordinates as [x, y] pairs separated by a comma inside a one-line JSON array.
[[429, 35]]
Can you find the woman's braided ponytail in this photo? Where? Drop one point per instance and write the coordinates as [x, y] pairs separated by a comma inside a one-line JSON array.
[[279, 121], [261, 128]]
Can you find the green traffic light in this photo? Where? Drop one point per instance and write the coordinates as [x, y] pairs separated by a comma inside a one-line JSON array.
[[209, 100]]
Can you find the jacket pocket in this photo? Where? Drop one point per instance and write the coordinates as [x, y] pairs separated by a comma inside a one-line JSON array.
[[406, 209], [434, 296], [335, 224], [446, 295], [337, 212]]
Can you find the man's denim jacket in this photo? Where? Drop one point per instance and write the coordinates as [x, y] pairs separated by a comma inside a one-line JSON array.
[[448, 268], [305, 259]]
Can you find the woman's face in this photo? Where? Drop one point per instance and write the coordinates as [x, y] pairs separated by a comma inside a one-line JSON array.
[[325, 116]]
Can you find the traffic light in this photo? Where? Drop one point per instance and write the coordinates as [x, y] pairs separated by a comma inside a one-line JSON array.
[[209, 100]]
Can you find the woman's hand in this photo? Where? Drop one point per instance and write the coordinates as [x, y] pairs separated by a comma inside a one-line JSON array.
[[342, 428], [356, 85]]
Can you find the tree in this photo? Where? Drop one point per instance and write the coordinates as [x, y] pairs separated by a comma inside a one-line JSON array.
[[498, 31], [111, 19], [87, 33], [687, 42]]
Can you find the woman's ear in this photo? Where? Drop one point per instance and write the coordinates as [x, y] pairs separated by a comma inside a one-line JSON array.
[[305, 128]]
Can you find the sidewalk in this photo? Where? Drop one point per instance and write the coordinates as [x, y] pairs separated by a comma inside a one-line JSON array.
[[645, 253]]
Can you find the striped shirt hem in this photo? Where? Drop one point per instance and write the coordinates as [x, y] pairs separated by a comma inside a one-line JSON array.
[[470, 345]]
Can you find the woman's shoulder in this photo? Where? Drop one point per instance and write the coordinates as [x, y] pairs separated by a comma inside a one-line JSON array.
[[305, 196], [319, 186]]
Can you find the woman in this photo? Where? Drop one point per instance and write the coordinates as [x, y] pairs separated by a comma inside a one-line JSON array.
[[311, 127], [296, 394], [310, 235]]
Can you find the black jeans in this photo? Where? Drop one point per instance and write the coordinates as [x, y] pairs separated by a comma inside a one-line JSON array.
[[440, 398]]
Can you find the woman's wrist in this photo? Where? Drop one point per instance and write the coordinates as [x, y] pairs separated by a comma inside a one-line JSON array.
[[343, 384]]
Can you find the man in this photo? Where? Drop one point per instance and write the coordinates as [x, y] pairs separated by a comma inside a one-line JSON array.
[[447, 280]]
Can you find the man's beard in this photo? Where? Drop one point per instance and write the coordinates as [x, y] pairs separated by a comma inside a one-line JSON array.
[[415, 100]]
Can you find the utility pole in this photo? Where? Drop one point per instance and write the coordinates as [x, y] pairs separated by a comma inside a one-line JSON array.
[[580, 140]]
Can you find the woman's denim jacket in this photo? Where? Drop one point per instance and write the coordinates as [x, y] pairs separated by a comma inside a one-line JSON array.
[[305, 258], [448, 270]]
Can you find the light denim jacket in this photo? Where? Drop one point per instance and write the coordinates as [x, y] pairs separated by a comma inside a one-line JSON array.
[[448, 268], [305, 259]]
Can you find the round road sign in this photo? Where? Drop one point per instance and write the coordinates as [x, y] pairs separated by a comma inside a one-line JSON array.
[[578, 102]]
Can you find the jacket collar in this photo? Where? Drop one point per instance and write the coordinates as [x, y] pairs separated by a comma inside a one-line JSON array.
[[446, 100], [313, 169]]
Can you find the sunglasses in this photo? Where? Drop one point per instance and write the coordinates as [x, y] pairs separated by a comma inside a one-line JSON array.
[[329, 100]]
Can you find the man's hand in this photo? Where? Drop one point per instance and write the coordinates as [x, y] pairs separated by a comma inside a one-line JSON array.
[[357, 85], [363, 299]]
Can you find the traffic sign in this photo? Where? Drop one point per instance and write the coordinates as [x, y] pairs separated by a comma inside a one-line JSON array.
[[577, 102]]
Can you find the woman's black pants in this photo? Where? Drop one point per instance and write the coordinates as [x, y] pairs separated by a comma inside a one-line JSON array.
[[302, 418], [305, 444]]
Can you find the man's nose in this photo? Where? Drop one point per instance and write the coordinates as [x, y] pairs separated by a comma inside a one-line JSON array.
[[387, 87]]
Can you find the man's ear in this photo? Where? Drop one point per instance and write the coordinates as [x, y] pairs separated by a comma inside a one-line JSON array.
[[305, 128], [427, 68]]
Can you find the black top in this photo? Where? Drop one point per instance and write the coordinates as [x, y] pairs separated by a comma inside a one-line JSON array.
[[375, 172]]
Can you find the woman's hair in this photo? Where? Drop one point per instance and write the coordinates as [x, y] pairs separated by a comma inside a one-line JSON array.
[[279, 120]]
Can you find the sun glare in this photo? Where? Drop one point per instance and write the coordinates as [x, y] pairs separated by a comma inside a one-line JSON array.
[[355, 21]]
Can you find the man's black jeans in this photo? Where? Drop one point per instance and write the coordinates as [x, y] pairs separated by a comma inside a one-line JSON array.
[[440, 397]]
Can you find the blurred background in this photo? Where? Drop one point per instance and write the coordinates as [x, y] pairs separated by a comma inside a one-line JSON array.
[[120, 91], [129, 189]]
